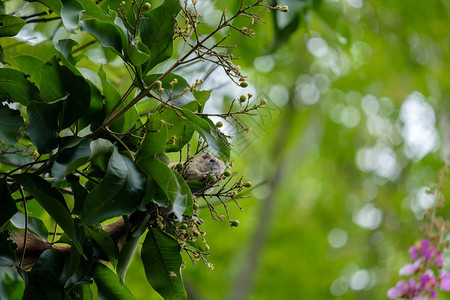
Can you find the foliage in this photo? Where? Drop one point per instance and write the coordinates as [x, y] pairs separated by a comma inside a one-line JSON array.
[[77, 150]]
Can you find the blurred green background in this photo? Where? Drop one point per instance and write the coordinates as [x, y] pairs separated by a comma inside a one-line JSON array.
[[355, 131]]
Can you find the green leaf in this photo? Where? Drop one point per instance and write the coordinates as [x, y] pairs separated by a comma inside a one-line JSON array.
[[55, 5], [52, 201], [10, 123], [69, 159], [15, 87], [109, 285], [73, 276], [32, 66], [58, 82], [179, 195], [138, 54], [2, 56], [108, 34], [84, 291], [79, 194], [155, 139], [64, 47], [162, 260], [70, 14], [156, 32], [36, 225], [119, 193], [7, 203], [44, 278], [92, 9], [204, 127], [43, 127], [105, 242], [126, 254], [177, 95], [10, 25]]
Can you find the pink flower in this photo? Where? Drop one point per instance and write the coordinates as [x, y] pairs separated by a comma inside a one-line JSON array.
[[409, 269], [445, 281]]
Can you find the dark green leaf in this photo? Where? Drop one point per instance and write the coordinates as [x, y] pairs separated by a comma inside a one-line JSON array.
[[10, 123], [182, 204], [58, 82], [70, 14], [43, 127], [44, 279], [79, 194], [10, 25], [7, 250], [162, 260], [35, 225], [126, 254], [15, 87], [205, 128], [2, 56], [119, 193], [70, 159], [92, 9], [7, 203], [84, 266], [155, 139], [108, 34], [105, 242], [32, 66], [138, 54], [83, 291], [65, 48], [156, 32], [55, 5], [109, 285], [52, 201]]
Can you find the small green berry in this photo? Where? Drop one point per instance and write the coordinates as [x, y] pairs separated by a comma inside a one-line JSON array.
[[184, 226], [219, 124], [179, 166], [263, 102], [211, 178], [195, 206], [146, 6], [248, 184], [234, 223], [227, 173], [207, 247], [243, 98], [244, 84]]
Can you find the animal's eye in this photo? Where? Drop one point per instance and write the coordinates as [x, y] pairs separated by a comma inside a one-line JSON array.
[[213, 160]]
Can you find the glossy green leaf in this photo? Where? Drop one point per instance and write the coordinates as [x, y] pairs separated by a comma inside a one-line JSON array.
[[161, 257], [156, 32], [35, 225], [2, 56], [138, 54], [204, 127], [58, 82], [10, 123], [155, 139], [105, 242], [109, 285], [55, 5], [10, 25], [126, 254], [15, 87], [108, 34], [182, 205], [43, 127], [70, 14], [119, 193], [52, 201], [64, 47], [8, 204], [44, 278], [70, 159], [32, 66], [170, 184], [91, 8], [72, 276]]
